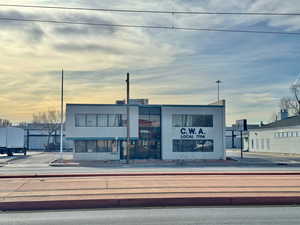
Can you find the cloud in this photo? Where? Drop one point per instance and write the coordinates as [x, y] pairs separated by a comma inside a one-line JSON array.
[[83, 30], [69, 47], [167, 66]]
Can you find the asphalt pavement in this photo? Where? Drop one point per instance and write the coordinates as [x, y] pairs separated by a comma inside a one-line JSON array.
[[38, 163], [264, 157], [287, 215]]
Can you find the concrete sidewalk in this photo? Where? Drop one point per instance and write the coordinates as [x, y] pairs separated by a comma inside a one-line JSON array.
[[138, 190]]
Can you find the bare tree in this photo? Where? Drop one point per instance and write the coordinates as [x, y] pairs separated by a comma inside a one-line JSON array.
[[292, 103], [5, 123], [49, 121], [273, 117]]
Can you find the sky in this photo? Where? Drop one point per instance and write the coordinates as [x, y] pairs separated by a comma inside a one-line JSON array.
[[166, 66]]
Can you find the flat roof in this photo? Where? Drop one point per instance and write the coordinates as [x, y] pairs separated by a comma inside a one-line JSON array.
[[288, 122], [149, 105]]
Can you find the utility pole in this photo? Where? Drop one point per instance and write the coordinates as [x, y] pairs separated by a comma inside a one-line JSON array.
[[61, 114], [242, 146], [218, 82], [128, 120]]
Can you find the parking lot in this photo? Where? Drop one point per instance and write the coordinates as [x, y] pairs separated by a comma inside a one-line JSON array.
[[264, 158], [33, 158]]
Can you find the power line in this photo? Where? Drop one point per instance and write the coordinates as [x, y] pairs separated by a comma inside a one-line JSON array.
[[150, 26], [152, 11]]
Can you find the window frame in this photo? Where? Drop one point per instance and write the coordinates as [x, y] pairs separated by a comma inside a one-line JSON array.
[[188, 120], [178, 145]]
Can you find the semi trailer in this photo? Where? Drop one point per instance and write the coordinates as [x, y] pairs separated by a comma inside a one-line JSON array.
[[12, 141]]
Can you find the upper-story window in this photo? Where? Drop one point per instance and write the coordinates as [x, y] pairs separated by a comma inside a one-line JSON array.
[[100, 120], [91, 120], [80, 120], [182, 120]]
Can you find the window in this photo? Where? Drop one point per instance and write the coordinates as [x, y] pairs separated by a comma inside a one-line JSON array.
[[100, 120], [80, 120], [91, 120], [94, 146], [123, 122], [104, 146], [180, 120], [257, 143], [91, 146], [80, 146], [262, 143], [114, 120], [193, 145], [177, 120], [268, 143], [101, 146], [252, 143]]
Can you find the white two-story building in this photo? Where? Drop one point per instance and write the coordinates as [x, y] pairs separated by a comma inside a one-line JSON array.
[[167, 132]]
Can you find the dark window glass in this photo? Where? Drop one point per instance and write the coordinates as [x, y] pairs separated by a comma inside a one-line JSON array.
[[177, 120], [123, 122], [80, 120], [101, 146], [148, 146], [180, 120], [102, 120], [105, 146], [80, 146], [193, 145], [91, 120], [113, 120], [91, 146], [110, 146], [149, 110]]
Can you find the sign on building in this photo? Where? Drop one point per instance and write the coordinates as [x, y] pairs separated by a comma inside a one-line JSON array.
[[241, 125]]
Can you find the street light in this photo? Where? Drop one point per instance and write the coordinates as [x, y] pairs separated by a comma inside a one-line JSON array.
[[218, 82]]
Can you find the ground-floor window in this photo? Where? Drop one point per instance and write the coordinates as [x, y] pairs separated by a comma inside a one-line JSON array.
[[95, 146], [268, 143], [193, 145]]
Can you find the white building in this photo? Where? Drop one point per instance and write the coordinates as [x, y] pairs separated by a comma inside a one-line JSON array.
[[167, 132], [281, 136]]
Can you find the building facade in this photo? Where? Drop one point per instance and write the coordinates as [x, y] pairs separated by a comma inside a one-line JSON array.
[[168, 132], [281, 136]]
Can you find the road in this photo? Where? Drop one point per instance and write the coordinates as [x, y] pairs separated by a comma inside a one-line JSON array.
[[288, 215]]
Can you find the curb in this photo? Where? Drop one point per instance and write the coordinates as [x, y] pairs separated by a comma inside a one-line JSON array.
[[147, 202], [64, 164], [153, 174]]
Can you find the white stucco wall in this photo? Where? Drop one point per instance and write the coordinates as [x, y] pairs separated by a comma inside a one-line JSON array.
[[216, 133], [286, 144], [99, 133]]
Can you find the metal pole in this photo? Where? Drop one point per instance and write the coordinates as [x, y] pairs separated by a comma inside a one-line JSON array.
[[242, 145], [218, 82], [61, 114], [128, 120]]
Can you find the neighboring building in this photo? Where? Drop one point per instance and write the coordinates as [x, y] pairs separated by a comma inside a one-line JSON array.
[[282, 136], [233, 137], [36, 137], [138, 101], [167, 132]]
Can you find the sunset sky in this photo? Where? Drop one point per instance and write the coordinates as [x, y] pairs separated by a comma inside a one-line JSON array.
[[166, 66]]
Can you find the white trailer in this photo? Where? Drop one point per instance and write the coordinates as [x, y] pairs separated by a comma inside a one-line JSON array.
[[12, 141]]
